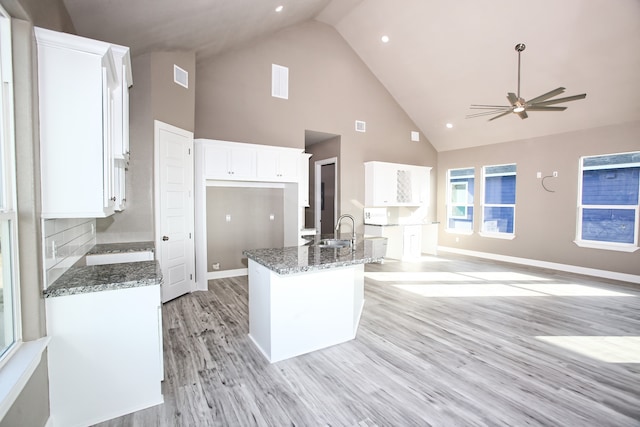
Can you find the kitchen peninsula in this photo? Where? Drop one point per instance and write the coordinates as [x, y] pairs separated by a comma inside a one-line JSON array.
[[306, 298]]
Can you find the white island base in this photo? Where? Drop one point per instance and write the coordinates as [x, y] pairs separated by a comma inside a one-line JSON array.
[[294, 314]]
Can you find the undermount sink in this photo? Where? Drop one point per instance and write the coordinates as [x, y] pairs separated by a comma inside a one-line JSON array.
[[334, 243]]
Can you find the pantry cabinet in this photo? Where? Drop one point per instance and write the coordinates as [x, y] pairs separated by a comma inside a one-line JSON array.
[[82, 123]]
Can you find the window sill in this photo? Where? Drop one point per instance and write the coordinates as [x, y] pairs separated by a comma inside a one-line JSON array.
[[621, 247], [454, 231], [18, 370], [503, 236]]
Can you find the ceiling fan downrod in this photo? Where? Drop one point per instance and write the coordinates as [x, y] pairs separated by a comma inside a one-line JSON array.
[[519, 48]]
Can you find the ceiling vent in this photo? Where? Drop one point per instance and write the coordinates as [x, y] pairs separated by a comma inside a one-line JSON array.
[[361, 126], [180, 76]]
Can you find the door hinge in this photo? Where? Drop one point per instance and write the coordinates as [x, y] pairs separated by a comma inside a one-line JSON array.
[[189, 151], [191, 277], [189, 235]]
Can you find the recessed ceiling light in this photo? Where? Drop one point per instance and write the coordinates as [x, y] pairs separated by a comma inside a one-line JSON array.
[[449, 125], [279, 8], [385, 39]]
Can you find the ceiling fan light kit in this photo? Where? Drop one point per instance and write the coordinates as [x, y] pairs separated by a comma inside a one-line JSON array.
[[519, 105]]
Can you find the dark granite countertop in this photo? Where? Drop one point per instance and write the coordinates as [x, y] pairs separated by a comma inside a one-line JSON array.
[[96, 278], [114, 248], [310, 257]]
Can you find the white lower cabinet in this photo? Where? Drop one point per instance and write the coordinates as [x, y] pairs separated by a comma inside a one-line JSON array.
[[105, 354], [404, 242]]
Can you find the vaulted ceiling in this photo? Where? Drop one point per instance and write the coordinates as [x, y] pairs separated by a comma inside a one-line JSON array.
[[442, 56]]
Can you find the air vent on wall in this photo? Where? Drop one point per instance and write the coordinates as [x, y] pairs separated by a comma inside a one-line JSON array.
[[279, 81], [361, 126], [180, 76]]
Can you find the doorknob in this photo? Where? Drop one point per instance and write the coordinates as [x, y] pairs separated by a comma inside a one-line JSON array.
[[165, 238]]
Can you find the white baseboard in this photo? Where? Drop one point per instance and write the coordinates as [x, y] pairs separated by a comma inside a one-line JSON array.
[[227, 273], [624, 277]]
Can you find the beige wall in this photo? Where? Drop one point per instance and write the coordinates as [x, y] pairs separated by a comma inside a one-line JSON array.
[[330, 88], [545, 222], [248, 229], [154, 96]]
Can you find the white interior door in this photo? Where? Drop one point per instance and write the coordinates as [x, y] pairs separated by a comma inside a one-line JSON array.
[[174, 209]]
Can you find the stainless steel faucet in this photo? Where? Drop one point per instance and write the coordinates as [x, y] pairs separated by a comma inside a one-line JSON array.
[[353, 227]]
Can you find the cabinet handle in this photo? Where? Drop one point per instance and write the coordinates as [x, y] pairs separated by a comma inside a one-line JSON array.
[[113, 199], [165, 238]]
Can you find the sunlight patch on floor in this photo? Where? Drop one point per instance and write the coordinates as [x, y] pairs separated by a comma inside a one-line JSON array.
[[571, 289], [606, 349], [419, 276], [503, 276], [453, 290], [503, 290]]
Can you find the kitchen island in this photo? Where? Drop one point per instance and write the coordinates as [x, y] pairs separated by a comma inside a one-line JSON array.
[[305, 298]]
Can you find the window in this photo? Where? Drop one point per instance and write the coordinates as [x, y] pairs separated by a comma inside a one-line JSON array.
[[608, 201], [9, 324], [499, 203], [460, 200]]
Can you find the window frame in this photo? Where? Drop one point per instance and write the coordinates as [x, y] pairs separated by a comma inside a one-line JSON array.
[[483, 204], [599, 244], [8, 202], [451, 204]]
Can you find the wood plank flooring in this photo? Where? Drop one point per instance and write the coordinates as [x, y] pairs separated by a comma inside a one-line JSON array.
[[445, 341]]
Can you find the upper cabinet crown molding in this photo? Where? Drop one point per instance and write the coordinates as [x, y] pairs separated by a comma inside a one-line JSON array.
[[56, 39]]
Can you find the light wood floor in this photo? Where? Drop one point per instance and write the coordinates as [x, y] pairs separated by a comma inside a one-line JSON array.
[[448, 341]]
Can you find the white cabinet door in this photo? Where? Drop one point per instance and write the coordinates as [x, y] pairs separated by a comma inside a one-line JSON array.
[[381, 184], [105, 354], [216, 162], [303, 183], [121, 105], [277, 165], [223, 161], [243, 163], [77, 82]]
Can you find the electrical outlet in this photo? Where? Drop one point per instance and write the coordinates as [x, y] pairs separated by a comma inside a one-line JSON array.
[[272, 217], [227, 218], [555, 174], [539, 175], [215, 266]]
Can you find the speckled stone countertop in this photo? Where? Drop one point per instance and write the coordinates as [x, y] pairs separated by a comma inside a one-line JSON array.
[[96, 278], [310, 257], [114, 248]]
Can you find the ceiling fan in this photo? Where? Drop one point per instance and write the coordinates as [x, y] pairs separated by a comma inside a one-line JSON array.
[[520, 106]]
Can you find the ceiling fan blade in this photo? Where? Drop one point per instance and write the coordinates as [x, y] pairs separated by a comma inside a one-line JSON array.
[[500, 115], [547, 95], [522, 114], [545, 108], [484, 113], [478, 106], [512, 98], [557, 101]]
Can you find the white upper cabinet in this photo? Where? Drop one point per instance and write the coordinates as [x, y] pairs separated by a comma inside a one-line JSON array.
[[80, 108], [229, 162], [237, 161], [277, 165], [393, 184]]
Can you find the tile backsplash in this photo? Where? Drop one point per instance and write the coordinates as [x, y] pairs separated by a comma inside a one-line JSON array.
[[66, 240]]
